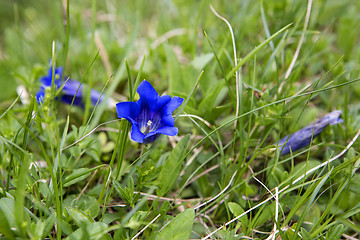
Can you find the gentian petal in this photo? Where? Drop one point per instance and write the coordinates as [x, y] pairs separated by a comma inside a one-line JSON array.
[[95, 96], [40, 95], [302, 138], [136, 134], [168, 109], [70, 91], [166, 130], [75, 100], [150, 139], [71, 87], [333, 117], [128, 110], [162, 102], [149, 97], [47, 80]]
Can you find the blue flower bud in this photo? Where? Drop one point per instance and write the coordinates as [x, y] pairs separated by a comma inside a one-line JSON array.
[[302, 138]]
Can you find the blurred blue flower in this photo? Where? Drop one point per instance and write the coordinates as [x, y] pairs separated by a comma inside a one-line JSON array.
[[302, 138], [151, 115], [46, 82], [69, 91]]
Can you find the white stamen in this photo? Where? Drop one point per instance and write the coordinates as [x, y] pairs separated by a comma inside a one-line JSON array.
[[149, 123]]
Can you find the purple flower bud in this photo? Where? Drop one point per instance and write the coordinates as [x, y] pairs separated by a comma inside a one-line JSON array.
[[302, 138]]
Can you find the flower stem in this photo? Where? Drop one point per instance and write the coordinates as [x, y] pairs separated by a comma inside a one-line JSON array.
[[123, 138]]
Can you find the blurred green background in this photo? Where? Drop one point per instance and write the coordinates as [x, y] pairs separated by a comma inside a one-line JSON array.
[[131, 28]]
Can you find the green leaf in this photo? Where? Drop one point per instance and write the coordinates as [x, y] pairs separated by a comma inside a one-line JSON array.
[[305, 234], [200, 62], [266, 213], [209, 100], [177, 81], [79, 216], [4, 226], [335, 232], [255, 50], [87, 204], [7, 208], [302, 167], [79, 174], [92, 231], [313, 197], [76, 176], [49, 224], [172, 166], [137, 220], [8, 216], [179, 228], [236, 209]]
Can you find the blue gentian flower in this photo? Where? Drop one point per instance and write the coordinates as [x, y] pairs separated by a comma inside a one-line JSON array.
[[151, 115], [69, 91], [46, 82], [302, 138]]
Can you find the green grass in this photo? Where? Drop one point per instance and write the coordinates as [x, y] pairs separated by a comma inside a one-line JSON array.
[[74, 173]]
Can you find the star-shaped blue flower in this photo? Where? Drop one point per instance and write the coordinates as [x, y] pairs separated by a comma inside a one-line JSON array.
[[151, 115], [69, 91], [302, 138]]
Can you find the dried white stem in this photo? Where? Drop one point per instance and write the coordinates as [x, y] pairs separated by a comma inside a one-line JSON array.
[[89, 133], [197, 117], [302, 37], [282, 190], [237, 76], [212, 199], [152, 221]]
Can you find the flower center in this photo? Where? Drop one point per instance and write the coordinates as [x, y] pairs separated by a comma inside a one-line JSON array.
[[146, 129]]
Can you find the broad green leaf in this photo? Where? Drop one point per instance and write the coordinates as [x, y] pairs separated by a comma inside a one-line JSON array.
[[335, 232], [78, 175], [136, 220], [172, 166], [65, 227], [7, 212], [87, 204], [229, 235], [4, 226], [236, 209], [91, 231], [111, 217], [302, 167], [265, 214], [305, 234], [200, 62], [49, 224], [35, 231], [179, 228], [79, 217], [177, 83], [208, 102], [7, 208]]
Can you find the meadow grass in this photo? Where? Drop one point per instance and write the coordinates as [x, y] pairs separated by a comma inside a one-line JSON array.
[[250, 73]]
